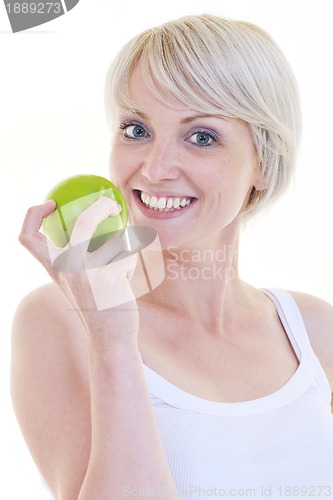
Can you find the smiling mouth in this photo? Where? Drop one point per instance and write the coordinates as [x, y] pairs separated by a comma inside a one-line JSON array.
[[164, 203]]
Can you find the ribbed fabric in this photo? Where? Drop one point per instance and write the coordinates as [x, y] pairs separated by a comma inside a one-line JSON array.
[[277, 446]]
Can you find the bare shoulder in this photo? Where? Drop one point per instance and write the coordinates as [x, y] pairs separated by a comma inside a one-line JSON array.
[[50, 387], [317, 315], [45, 300], [44, 322]]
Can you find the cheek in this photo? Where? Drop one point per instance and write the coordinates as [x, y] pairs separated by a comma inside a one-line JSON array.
[[242, 168], [233, 185], [113, 162], [119, 166]]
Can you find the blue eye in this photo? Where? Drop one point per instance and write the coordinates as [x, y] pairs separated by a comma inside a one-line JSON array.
[[134, 130], [202, 138]]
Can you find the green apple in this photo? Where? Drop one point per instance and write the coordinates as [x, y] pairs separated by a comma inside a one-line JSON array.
[[72, 196]]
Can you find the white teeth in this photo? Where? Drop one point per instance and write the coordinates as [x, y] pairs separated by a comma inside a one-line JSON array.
[[176, 203], [161, 203], [153, 202], [164, 204]]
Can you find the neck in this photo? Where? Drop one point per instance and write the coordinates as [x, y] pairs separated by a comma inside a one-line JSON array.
[[201, 280]]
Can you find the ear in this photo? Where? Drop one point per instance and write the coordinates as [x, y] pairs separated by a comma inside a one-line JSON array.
[[260, 182]]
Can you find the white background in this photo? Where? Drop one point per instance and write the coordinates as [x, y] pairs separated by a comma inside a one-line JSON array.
[[52, 126]]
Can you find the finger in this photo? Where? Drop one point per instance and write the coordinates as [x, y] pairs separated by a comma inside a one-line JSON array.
[[87, 222], [76, 258], [70, 259], [34, 219], [106, 253], [30, 236]]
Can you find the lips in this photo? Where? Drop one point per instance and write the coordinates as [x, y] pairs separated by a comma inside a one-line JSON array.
[[164, 203]]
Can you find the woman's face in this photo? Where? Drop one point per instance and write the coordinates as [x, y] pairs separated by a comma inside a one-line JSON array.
[[184, 173]]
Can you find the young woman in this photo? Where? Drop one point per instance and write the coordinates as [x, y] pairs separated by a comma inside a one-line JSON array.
[[206, 386]]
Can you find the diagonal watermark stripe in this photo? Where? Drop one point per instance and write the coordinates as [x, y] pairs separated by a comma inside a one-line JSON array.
[[23, 15], [108, 270]]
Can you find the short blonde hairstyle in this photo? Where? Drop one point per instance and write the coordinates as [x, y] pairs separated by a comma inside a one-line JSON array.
[[216, 65]]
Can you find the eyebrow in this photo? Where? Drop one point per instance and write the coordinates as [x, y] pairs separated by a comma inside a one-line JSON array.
[[131, 109], [185, 120], [192, 118]]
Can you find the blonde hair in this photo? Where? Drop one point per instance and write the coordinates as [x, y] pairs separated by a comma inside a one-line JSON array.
[[229, 67]]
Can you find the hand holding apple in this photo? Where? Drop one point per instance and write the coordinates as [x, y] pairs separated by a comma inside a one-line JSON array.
[[74, 195]]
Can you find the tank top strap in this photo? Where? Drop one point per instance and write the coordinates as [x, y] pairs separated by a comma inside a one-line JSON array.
[[293, 323]]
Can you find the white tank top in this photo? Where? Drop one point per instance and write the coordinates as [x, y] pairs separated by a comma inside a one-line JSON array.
[[277, 446]]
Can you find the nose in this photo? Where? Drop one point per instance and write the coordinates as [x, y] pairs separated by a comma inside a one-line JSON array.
[[161, 162]]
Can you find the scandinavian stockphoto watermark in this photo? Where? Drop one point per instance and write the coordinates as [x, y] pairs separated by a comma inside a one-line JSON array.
[[262, 491], [201, 264], [121, 269], [192, 491], [23, 15]]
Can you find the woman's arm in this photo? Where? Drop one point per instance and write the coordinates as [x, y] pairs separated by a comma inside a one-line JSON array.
[[78, 385], [126, 451], [50, 388]]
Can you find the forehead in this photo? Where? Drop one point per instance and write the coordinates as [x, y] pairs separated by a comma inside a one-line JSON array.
[[140, 92]]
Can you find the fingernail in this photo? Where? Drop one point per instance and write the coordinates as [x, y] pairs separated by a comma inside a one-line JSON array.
[[49, 202]]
